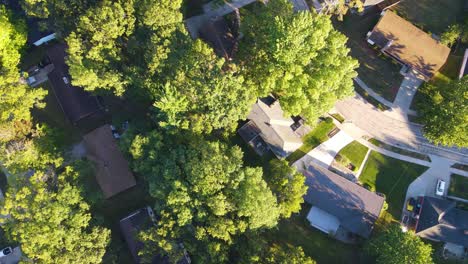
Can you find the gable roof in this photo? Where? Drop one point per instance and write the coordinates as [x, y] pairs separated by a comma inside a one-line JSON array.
[[112, 172], [410, 45], [75, 102], [274, 127], [440, 220], [355, 207]]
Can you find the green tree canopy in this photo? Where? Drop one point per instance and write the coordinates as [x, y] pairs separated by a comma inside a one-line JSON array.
[[444, 112], [297, 56], [17, 98], [95, 56], [50, 220], [395, 247], [341, 7], [203, 193], [288, 186]]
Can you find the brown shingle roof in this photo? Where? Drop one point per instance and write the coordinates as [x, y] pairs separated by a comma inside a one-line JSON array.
[[112, 171], [409, 44]]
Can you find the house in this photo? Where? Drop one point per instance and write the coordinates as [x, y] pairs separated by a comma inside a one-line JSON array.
[[268, 124], [75, 102], [408, 45], [112, 172], [136, 222], [464, 66], [340, 207], [440, 220]]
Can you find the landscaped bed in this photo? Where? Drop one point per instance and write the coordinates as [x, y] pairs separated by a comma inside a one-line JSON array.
[[353, 153], [399, 150], [391, 177], [377, 71], [458, 186], [318, 135]]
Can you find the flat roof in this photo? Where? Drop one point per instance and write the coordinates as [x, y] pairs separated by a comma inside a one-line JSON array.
[[409, 44], [112, 172]]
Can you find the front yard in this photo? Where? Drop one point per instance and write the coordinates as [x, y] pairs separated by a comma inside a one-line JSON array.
[[391, 177], [458, 186], [318, 135], [353, 153], [377, 71]]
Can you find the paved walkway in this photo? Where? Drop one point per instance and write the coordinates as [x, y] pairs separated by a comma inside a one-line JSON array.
[[406, 93], [325, 153]]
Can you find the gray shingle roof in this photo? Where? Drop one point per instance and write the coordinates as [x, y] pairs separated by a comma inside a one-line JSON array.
[[355, 207], [440, 220]]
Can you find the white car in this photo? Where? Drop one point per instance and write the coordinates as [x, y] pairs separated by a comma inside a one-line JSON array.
[[6, 251], [440, 188]]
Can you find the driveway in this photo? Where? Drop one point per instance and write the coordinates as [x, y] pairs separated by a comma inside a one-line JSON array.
[[406, 93], [325, 153]]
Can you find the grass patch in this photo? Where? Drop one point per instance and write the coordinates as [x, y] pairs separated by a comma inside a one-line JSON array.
[[399, 150], [338, 117], [353, 153], [391, 177], [318, 135], [370, 99], [431, 15], [377, 71], [297, 231], [458, 186]]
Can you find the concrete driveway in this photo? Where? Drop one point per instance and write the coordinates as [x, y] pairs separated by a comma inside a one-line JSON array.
[[325, 153]]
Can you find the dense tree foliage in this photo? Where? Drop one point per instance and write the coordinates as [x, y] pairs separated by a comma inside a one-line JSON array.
[[394, 247], [341, 7], [297, 56], [288, 185], [17, 98], [444, 112], [203, 193], [51, 221]]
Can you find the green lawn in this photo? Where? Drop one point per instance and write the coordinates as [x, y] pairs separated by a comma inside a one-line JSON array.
[[431, 15], [318, 135], [458, 186], [390, 177], [376, 70], [297, 231], [353, 153]]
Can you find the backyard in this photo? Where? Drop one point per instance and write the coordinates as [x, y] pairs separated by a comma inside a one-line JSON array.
[[431, 15], [318, 135], [458, 186], [297, 231], [391, 177], [377, 71], [353, 153]]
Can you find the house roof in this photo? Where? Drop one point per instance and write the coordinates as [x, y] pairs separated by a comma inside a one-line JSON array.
[[440, 220], [220, 35], [275, 128], [356, 208], [410, 45], [464, 66], [75, 102], [112, 172]]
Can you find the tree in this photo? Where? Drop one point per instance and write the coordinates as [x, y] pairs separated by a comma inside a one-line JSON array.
[[51, 221], [203, 193], [203, 95], [297, 56], [451, 35], [444, 112], [394, 247], [17, 98], [95, 56], [341, 7], [288, 186]]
